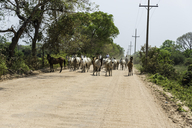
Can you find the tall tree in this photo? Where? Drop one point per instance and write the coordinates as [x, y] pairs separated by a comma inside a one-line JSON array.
[[185, 41], [90, 32], [28, 11]]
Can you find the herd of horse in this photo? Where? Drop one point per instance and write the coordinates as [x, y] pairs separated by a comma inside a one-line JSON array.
[[74, 63]]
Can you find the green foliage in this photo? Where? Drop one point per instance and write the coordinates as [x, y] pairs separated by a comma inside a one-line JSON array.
[[180, 68], [157, 78], [18, 63], [174, 49], [187, 77], [168, 45], [3, 67], [83, 33], [113, 50], [32, 62], [177, 57], [190, 67], [187, 53], [158, 61], [178, 91], [2, 39], [188, 61], [136, 59]]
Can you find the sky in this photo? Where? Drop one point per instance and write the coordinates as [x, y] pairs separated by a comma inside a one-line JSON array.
[[170, 20]]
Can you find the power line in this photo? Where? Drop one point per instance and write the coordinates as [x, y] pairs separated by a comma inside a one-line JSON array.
[[154, 10], [137, 15], [140, 18]]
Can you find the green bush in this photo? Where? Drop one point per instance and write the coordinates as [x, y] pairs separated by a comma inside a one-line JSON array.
[[3, 67], [187, 77], [177, 57], [158, 61], [157, 78], [188, 61], [190, 67], [18, 63]]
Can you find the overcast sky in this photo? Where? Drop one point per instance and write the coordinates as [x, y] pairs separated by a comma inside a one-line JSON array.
[[170, 20]]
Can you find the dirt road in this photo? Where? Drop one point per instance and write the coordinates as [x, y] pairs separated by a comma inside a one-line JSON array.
[[79, 100]]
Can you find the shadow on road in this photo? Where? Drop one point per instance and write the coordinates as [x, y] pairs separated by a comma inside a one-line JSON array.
[[1, 88]]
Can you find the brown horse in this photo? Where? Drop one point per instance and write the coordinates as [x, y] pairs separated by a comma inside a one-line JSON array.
[[55, 61], [130, 66]]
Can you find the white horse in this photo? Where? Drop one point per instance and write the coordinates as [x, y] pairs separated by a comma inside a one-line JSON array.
[[103, 62], [77, 62], [88, 63], [114, 61], [70, 62], [122, 63], [84, 62], [126, 62], [97, 63], [108, 66]]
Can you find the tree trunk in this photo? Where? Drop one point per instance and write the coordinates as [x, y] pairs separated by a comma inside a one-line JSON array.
[[35, 39], [16, 37], [20, 32], [37, 24]]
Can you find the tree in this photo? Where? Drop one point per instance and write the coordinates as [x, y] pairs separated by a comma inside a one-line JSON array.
[[185, 41], [2, 39], [174, 49], [28, 11], [168, 45], [90, 32]]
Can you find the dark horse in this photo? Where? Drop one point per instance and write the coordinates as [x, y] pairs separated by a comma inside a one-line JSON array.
[[55, 61]]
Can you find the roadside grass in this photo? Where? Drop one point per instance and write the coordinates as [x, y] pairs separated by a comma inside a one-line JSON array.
[[184, 94], [180, 68], [137, 66]]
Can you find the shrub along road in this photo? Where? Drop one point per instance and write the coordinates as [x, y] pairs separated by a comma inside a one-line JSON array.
[[80, 100]]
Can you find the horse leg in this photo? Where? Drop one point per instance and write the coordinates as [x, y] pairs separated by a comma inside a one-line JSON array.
[[96, 71], [87, 67], [84, 68], [50, 67], [53, 68], [61, 67], [129, 71], [132, 71]]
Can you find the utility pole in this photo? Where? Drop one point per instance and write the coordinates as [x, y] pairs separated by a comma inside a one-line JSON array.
[[148, 7], [135, 39], [128, 50], [130, 47]]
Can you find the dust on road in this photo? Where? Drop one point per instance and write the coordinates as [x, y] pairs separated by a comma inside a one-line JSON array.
[[80, 100]]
